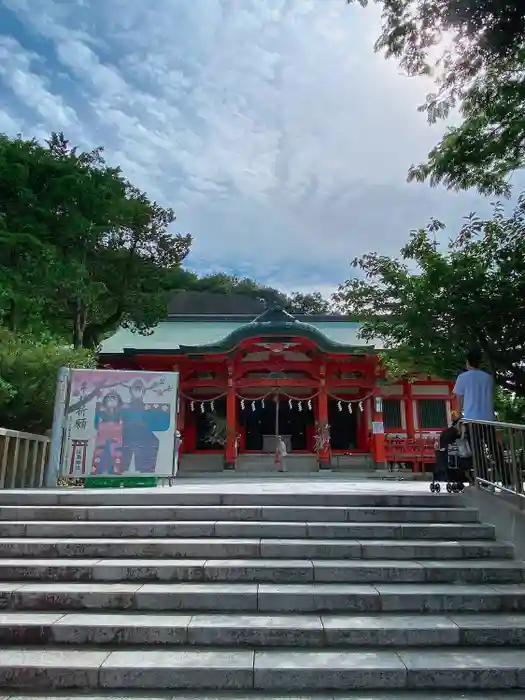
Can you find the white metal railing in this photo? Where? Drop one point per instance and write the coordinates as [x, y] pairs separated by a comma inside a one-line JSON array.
[[23, 459], [498, 457]]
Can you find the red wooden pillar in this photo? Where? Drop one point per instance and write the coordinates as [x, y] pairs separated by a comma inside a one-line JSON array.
[[378, 438], [367, 418], [231, 425], [409, 409], [409, 414]]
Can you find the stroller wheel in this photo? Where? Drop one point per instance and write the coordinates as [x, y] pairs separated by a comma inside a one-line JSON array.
[[450, 488]]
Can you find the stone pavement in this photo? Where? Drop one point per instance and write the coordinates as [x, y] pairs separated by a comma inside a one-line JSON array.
[[254, 589]]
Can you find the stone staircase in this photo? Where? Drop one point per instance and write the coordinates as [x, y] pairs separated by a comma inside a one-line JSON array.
[[205, 594]]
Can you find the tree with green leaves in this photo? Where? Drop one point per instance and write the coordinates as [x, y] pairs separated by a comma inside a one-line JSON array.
[[222, 283], [509, 407], [430, 306], [475, 50], [28, 375], [82, 251], [310, 304]]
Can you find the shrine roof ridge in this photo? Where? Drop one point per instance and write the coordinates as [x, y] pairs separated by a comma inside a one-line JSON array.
[[218, 335], [274, 323]]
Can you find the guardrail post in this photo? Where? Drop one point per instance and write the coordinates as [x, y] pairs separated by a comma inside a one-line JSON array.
[[55, 449], [4, 453]]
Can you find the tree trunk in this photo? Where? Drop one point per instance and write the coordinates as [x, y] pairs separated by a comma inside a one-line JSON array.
[[12, 316], [94, 333], [79, 324]]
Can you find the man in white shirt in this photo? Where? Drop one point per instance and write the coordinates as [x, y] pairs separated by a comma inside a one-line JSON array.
[[475, 391]]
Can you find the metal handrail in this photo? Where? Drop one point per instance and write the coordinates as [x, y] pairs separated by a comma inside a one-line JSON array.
[[499, 424], [498, 456], [7, 432]]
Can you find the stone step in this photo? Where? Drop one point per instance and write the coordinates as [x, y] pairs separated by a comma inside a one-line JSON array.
[[236, 529], [234, 548], [200, 497], [181, 668], [264, 598], [264, 570], [257, 695], [233, 630], [142, 513]]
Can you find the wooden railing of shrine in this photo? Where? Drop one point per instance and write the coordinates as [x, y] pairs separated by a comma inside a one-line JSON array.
[[416, 450], [23, 458]]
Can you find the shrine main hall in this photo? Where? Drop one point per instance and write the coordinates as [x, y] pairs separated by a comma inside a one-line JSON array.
[[248, 374]]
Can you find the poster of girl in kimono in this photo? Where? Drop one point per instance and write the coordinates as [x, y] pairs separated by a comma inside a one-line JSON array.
[[120, 423]]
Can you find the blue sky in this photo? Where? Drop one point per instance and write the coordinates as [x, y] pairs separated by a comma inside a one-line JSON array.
[[270, 126]]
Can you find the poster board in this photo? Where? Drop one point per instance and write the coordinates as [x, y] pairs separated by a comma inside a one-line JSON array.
[[120, 424]]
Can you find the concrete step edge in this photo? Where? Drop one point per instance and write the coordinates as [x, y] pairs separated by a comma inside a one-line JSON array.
[[138, 571], [379, 631], [392, 694], [231, 529], [267, 670], [254, 548], [263, 598], [174, 497], [447, 515], [247, 540]]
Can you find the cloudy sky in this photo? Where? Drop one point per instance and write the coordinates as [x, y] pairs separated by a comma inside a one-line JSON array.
[[279, 138]]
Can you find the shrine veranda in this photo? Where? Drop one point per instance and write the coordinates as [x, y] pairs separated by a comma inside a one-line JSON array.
[[244, 378]]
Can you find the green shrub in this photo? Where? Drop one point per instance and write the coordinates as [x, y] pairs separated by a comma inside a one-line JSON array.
[[28, 376]]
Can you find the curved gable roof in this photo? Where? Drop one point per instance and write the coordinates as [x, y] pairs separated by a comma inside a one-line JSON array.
[[271, 325]]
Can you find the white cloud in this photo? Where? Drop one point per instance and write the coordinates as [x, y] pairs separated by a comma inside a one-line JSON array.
[[279, 138], [17, 72]]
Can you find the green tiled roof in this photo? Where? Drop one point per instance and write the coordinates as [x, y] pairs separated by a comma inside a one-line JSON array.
[[188, 334]]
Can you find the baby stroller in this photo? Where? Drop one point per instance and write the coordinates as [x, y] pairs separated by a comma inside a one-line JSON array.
[[453, 459]]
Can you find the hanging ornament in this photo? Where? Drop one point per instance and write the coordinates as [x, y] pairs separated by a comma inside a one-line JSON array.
[[309, 404], [242, 404], [290, 404], [339, 406], [202, 408], [253, 405], [361, 407], [300, 405], [212, 405], [192, 406], [349, 407]]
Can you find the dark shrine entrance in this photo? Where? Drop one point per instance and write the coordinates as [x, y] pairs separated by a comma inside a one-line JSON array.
[[343, 425], [210, 425], [271, 419]]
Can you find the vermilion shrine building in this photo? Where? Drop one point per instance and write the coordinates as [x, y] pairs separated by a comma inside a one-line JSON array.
[[248, 374]]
